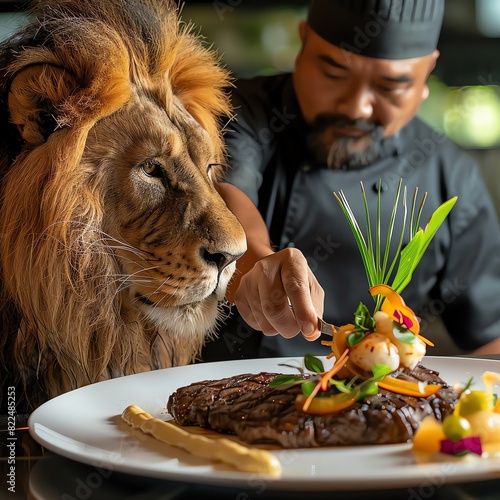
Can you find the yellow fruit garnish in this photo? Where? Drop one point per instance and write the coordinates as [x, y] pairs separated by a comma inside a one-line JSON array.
[[456, 427], [486, 425], [428, 436], [489, 379], [474, 402]]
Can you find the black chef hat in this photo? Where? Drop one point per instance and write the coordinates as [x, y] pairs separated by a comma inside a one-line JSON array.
[[384, 29]]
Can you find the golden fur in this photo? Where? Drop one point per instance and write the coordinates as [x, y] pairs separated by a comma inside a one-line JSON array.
[[116, 248]]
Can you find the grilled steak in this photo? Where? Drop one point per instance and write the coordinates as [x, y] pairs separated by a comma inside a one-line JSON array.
[[246, 406]]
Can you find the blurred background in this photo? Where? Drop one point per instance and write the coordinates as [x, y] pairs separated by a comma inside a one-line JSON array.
[[260, 37]]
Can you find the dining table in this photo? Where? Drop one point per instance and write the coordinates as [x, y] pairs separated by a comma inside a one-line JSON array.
[[42, 474]]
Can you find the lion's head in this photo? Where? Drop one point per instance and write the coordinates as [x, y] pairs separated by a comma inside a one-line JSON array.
[[116, 248]]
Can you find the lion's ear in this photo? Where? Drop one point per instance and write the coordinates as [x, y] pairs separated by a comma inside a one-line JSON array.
[[34, 101]]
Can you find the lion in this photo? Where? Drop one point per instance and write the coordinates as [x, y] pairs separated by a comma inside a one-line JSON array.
[[116, 247]]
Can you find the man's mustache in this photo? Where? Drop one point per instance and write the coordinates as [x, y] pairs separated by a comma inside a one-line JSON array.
[[323, 121]]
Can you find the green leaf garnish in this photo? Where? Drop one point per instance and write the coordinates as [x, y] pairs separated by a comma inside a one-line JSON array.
[[378, 262], [375, 264], [363, 319], [380, 371], [296, 367], [285, 381], [363, 322], [354, 338], [313, 364], [308, 383], [341, 385], [370, 389], [307, 387], [403, 334], [413, 252], [468, 385]]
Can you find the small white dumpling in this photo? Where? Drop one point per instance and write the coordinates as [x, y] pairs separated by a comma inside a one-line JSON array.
[[375, 348], [409, 354]]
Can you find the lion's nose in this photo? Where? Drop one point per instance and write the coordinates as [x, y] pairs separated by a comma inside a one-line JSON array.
[[220, 259]]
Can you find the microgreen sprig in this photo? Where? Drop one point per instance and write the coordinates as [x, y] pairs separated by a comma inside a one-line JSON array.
[[380, 265], [310, 381]]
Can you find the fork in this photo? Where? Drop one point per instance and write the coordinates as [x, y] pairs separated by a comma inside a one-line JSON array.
[[323, 326], [326, 328]]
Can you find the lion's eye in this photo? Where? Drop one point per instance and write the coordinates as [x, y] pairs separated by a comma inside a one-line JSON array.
[[152, 169]]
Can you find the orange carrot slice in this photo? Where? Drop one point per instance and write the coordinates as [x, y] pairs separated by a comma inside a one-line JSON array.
[[408, 388], [326, 405], [396, 308]]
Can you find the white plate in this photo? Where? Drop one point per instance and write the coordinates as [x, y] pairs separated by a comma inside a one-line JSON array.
[[85, 425]]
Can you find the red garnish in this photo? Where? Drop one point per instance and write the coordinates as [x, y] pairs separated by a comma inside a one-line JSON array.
[[395, 307], [400, 318], [471, 444]]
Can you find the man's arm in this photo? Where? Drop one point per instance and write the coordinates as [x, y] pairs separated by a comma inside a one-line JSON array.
[[492, 347], [275, 292], [259, 244]]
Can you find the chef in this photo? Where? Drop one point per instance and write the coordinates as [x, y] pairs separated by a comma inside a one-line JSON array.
[[346, 116]]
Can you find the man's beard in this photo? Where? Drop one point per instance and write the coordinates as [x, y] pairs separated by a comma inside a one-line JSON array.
[[344, 151]]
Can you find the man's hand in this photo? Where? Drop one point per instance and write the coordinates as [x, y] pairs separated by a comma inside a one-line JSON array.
[[280, 295], [275, 292]]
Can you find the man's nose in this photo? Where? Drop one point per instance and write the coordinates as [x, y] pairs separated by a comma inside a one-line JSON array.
[[357, 103]]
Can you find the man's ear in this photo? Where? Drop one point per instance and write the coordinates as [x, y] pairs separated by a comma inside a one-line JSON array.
[[303, 29], [35, 94], [432, 64], [433, 60]]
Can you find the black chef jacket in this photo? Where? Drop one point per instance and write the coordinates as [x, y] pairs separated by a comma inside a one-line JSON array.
[[459, 276]]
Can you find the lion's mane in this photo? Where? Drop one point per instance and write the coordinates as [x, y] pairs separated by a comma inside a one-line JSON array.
[[65, 322]]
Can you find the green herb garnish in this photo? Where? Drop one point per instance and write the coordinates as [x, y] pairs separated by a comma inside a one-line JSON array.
[[315, 366], [380, 264]]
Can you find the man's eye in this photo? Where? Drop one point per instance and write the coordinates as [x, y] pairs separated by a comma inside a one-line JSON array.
[[333, 77], [152, 169], [388, 90], [393, 90]]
